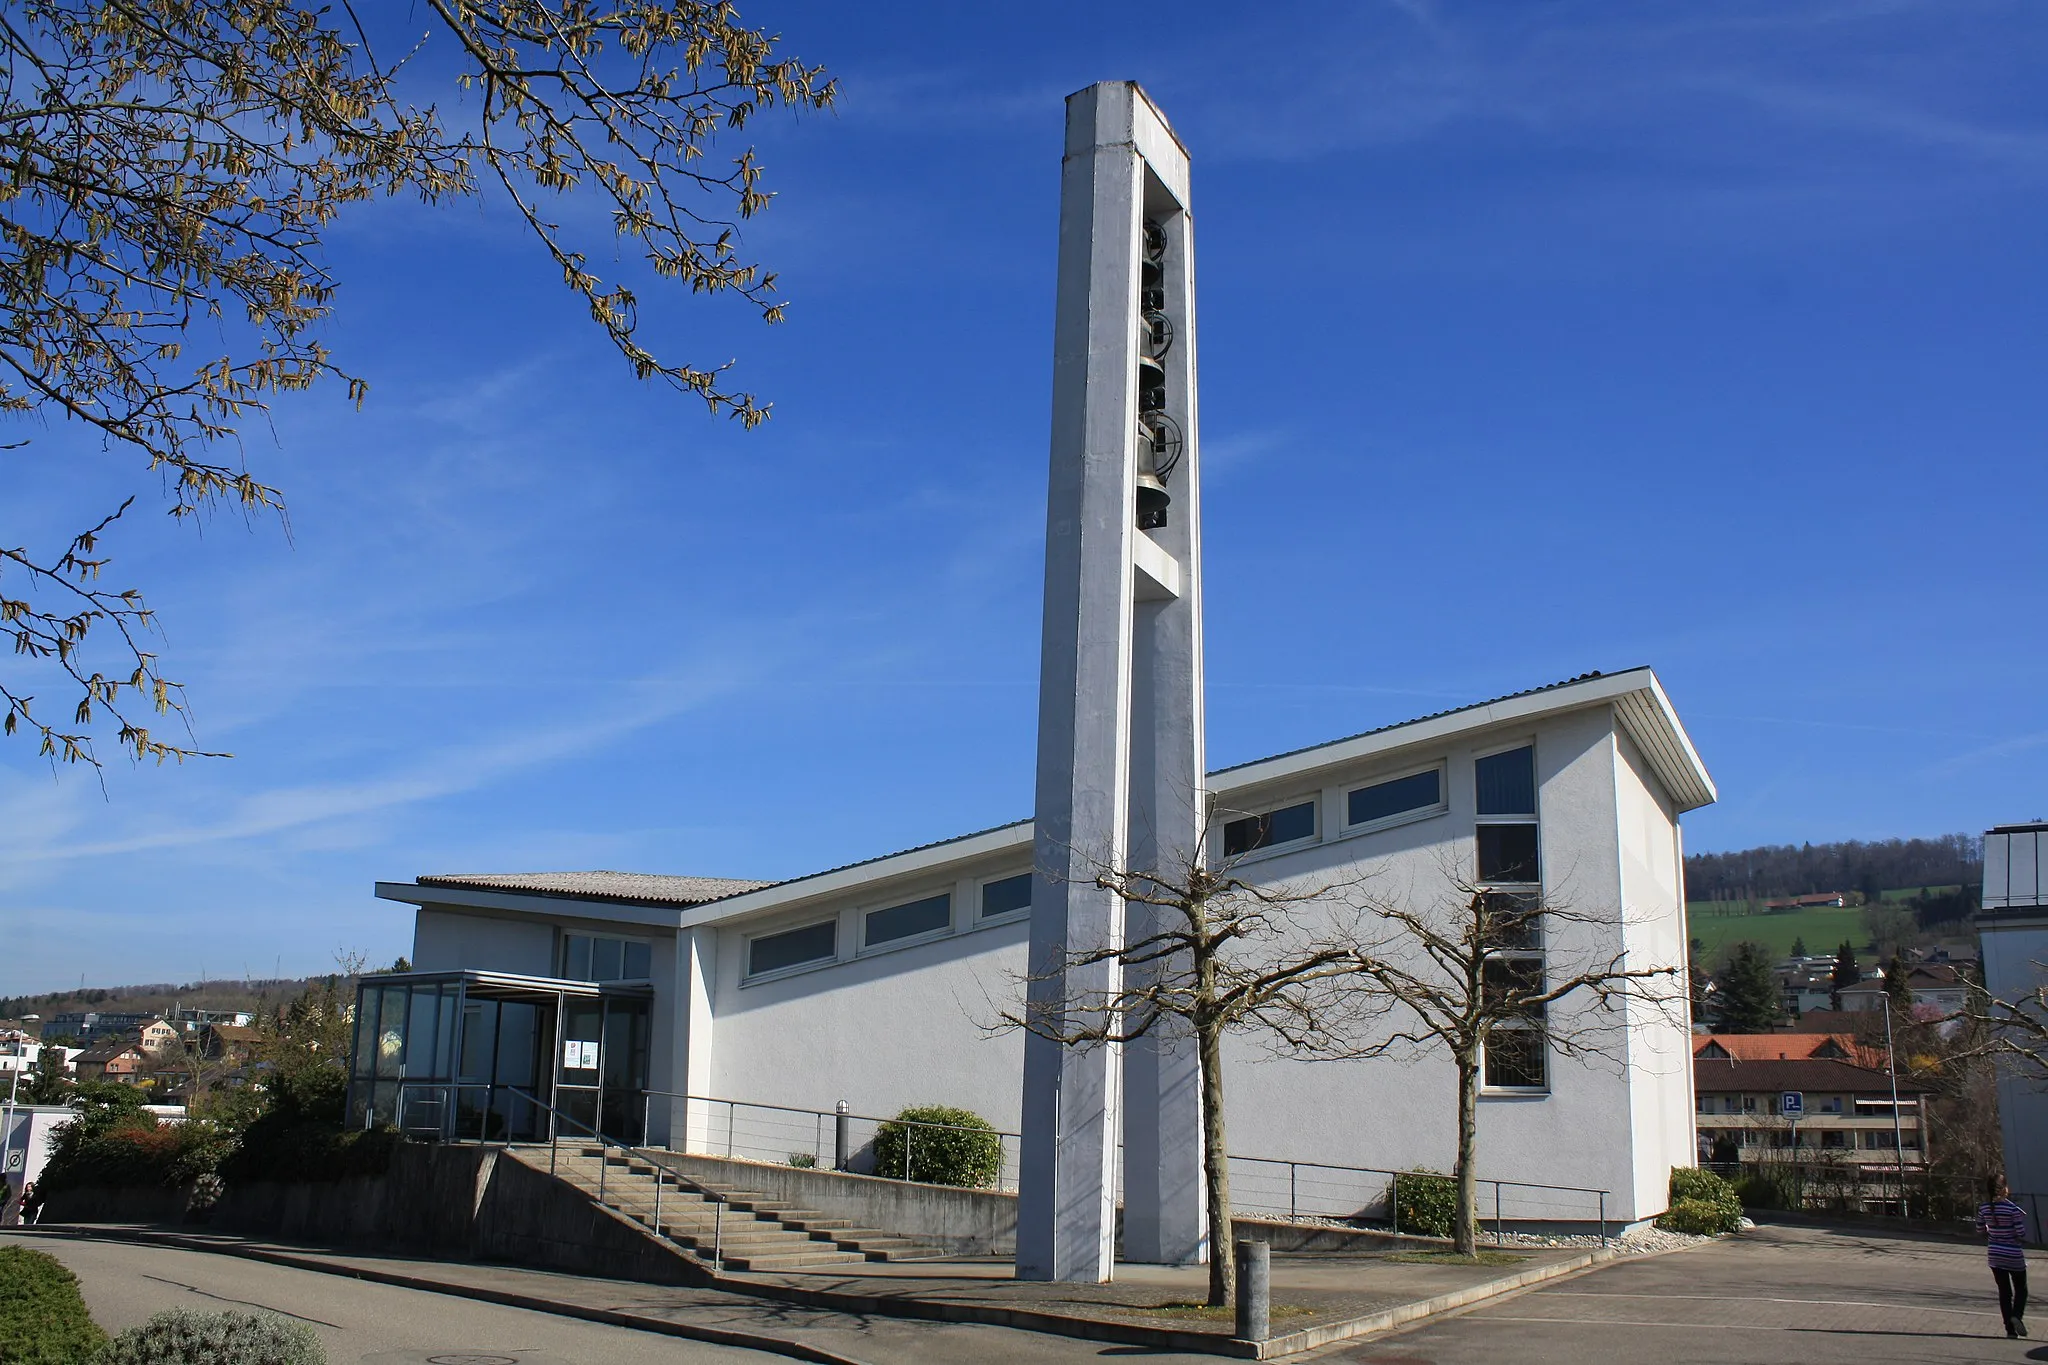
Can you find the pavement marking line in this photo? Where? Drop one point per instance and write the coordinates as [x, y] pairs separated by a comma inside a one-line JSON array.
[[1624, 1322], [1751, 1298]]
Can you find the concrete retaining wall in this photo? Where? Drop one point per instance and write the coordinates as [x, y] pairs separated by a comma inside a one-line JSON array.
[[453, 1202], [964, 1222]]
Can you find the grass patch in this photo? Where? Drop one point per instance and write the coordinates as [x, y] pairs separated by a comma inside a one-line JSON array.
[[1823, 931], [1453, 1258], [1190, 1311]]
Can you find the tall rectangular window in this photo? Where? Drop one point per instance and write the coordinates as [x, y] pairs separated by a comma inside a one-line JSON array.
[[793, 947], [1008, 894], [1289, 824], [1506, 783], [1507, 853], [909, 920], [1401, 796]]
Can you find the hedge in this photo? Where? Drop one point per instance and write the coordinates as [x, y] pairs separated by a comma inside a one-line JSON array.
[[42, 1315], [967, 1151]]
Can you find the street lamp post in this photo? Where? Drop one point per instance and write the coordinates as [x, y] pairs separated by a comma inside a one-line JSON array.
[[1891, 1063]]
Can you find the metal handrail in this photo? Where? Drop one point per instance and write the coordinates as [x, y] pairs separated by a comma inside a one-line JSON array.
[[1294, 1167], [716, 1198]]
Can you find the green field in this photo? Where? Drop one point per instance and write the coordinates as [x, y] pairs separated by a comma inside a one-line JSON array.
[[1823, 930]]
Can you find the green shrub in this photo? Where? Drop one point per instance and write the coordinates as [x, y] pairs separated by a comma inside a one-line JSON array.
[[182, 1337], [1426, 1202], [42, 1315], [1697, 1216], [966, 1152], [803, 1161], [1701, 1203], [123, 1149]]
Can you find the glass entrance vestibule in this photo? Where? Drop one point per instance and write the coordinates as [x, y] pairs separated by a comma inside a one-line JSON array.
[[492, 1056]]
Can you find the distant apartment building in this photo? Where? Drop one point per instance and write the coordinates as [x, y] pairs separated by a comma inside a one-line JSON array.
[[2013, 929], [89, 1026], [1832, 1120], [190, 1021]]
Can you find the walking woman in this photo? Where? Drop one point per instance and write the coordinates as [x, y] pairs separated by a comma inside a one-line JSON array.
[[2004, 1225]]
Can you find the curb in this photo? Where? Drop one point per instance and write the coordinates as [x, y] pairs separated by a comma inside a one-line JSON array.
[[716, 1336]]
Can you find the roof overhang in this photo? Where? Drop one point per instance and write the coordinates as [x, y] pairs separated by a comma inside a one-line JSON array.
[[483, 985], [1639, 704], [539, 905]]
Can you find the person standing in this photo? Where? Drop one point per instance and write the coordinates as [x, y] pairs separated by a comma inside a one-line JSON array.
[[2004, 1225], [31, 1205]]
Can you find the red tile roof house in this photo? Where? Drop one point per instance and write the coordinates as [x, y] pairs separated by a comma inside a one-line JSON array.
[[1842, 1137]]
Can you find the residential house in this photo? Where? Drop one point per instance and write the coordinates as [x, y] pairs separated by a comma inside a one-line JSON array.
[[1936, 985], [157, 1036], [1786, 1047], [116, 1059], [228, 1042]]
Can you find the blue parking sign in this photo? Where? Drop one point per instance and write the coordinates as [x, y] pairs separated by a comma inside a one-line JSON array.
[[1792, 1102]]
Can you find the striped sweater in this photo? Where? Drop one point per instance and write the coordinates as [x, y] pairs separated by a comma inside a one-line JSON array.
[[2005, 1224]]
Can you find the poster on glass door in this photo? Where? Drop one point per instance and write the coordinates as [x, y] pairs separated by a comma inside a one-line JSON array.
[[579, 1056]]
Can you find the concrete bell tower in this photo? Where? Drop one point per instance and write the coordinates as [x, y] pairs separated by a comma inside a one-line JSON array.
[[1120, 725]]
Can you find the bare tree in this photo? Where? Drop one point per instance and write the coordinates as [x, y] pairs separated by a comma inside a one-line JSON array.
[[1477, 972], [1219, 955], [171, 172]]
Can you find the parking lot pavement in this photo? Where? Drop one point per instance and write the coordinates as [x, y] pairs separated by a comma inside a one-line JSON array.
[[1776, 1296], [356, 1321]]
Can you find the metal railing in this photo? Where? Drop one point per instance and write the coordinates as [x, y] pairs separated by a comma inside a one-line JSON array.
[[664, 1173], [1295, 1190], [787, 1134], [1368, 1195]]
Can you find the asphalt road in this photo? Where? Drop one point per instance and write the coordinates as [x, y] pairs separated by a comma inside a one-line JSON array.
[[356, 1320], [1776, 1296]]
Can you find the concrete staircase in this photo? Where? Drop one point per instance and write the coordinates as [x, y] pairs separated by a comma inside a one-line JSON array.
[[758, 1233]]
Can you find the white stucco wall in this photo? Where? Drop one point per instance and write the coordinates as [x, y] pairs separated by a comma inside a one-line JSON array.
[[2014, 951], [443, 940], [910, 1025], [905, 1026], [1660, 1037]]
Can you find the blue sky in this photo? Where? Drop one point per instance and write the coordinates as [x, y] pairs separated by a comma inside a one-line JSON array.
[[1536, 338]]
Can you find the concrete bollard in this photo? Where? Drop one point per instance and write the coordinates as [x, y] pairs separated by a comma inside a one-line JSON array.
[[1254, 1291], [842, 1131]]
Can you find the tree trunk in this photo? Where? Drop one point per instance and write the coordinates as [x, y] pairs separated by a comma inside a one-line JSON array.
[[1465, 1226], [1216, 1169]]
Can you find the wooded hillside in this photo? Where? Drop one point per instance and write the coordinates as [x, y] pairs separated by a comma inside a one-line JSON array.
[[1853, 865]]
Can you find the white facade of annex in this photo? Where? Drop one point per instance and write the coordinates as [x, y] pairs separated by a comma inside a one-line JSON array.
[[907, 1022], [2013, 931]]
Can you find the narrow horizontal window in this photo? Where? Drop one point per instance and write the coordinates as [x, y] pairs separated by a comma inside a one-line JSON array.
[[927, 916], [1507, 782], [1516, 1059], [1283, 826], [1384, 800], [587, 958], [1507, 853], [793, 947], [1001, 897]]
